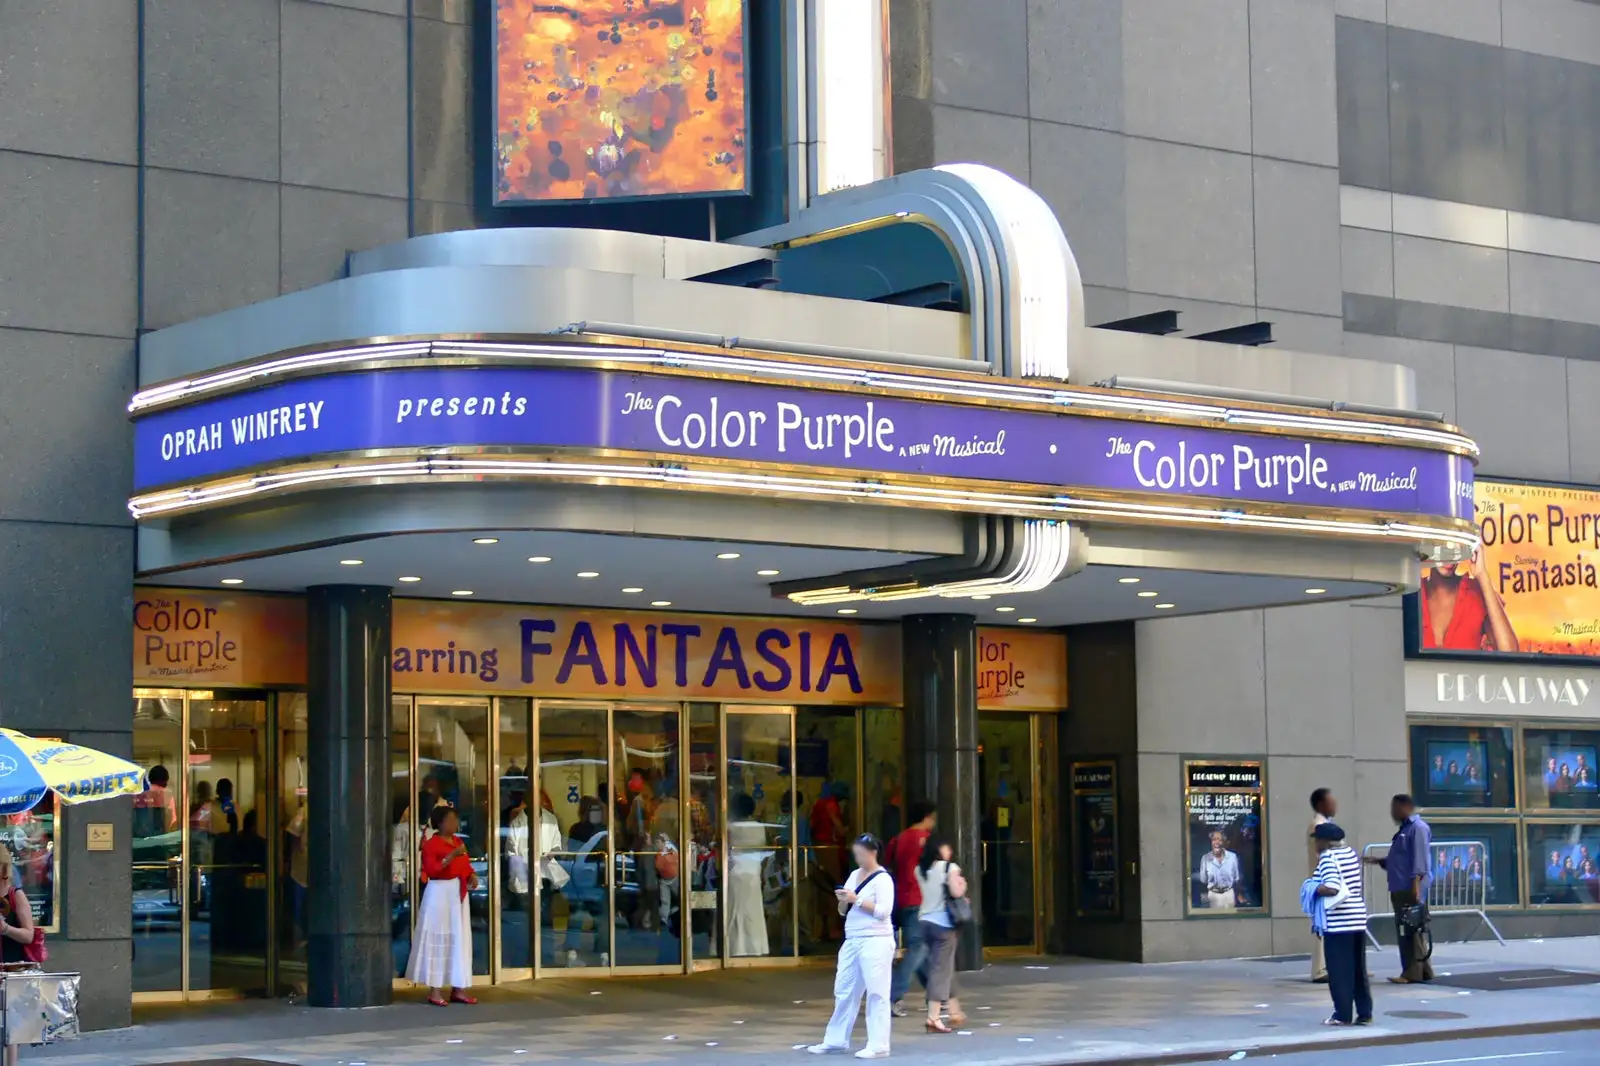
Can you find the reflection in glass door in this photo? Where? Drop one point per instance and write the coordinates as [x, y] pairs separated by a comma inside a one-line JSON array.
[[202, 911], [759, 915], [158, 843], [827, 772], [453, 763], [227, 878], [1007, 781], [575, 920], [647, 890]]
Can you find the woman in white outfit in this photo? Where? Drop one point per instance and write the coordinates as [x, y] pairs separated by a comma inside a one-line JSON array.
[[866, 961], [441, 946]]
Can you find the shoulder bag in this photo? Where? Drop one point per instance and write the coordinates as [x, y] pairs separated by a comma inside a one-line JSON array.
[[957, 906]]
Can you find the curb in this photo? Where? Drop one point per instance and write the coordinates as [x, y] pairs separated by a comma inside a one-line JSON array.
[[1435, 1036]]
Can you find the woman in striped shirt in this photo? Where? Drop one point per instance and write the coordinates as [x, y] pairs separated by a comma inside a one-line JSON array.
[[1345, 945]]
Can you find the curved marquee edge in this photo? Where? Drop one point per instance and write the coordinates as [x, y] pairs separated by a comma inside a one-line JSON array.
[[1435, 537]]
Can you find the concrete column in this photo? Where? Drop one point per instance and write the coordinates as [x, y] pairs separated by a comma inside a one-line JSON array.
[[349, 954], [940, 654]]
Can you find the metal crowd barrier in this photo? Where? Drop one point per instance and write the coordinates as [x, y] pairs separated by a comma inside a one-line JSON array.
[[1460, 885]]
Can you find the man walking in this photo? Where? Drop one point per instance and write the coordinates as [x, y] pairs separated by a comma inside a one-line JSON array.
[[1409, 878], [901, 857], [1323, 808]]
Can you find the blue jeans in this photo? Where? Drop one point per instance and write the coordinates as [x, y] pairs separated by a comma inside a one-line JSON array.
[[915, 959]]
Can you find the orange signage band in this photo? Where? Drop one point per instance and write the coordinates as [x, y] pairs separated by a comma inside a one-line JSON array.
[[185, 636]]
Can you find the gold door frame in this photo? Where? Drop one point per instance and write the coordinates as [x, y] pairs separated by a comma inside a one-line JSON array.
[[757, 711]]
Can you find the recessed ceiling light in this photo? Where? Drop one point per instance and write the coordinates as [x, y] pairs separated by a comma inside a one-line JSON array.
[[233, 581], [411, 580], [847, 610], [1146, 594], [462, 592], [1315, 592], [486, 540], [1005, 609], [661, 603], [631, 589], [349, 562], [766, 573], [981, 596], [1027, 621], [1165, 606], [727, 555], [588, 573], [538, 558], [1128, 580]]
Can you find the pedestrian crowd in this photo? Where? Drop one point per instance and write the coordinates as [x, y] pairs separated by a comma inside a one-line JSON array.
[[904, 904]]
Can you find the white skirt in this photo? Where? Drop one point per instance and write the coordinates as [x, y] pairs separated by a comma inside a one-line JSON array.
[[441, 945]]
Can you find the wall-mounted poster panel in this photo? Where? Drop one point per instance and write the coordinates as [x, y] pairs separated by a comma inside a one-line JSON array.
[[619, 99], [1533, 587], [1225, 843], [1096, 886]]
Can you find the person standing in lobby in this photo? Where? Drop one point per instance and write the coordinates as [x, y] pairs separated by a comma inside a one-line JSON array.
[[1323, 808], [901, 857], [1409, 878]]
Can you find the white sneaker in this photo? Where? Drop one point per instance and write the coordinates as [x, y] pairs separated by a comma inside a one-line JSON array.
[[605, 958], [825, 1049], [873, 1053], [572, 958]]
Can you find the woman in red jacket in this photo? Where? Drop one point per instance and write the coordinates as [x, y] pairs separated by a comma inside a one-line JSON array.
[[441, 947]]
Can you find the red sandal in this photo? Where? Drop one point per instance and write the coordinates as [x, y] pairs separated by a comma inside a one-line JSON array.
[[437, 1002], [460, 997]]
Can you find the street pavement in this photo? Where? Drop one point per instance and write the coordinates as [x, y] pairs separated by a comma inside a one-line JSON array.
[[1026, 1013], [1571, 1049]]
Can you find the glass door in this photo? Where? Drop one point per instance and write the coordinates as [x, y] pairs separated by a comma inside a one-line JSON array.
[[1008, 782], [157, 842], [202, 899], [455, 769], [620, 831], [227, 880], [826, 766], [573, 901], [648, 847], [760, 918]]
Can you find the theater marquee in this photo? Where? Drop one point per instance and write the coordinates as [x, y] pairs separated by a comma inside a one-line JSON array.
[[755, 423]]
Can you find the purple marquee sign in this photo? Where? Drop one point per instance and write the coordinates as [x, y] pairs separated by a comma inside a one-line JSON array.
[[689, 418]]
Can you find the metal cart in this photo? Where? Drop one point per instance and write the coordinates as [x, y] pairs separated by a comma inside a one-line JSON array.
[[37, 1007]]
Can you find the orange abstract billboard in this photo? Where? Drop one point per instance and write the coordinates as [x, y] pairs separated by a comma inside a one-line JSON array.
[[619, 99], [1533, 587]]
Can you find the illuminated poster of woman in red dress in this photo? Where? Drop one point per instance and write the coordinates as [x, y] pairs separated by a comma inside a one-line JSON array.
[[1462, 611]]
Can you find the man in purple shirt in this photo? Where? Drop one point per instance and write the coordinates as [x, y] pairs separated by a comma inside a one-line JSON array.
[[1409, 877]]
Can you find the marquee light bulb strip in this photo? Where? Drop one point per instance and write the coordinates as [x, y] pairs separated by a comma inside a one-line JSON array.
[[156, 504], [983, 387]]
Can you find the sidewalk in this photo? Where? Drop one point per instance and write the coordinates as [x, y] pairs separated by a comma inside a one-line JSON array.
[[1045, 1012]]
